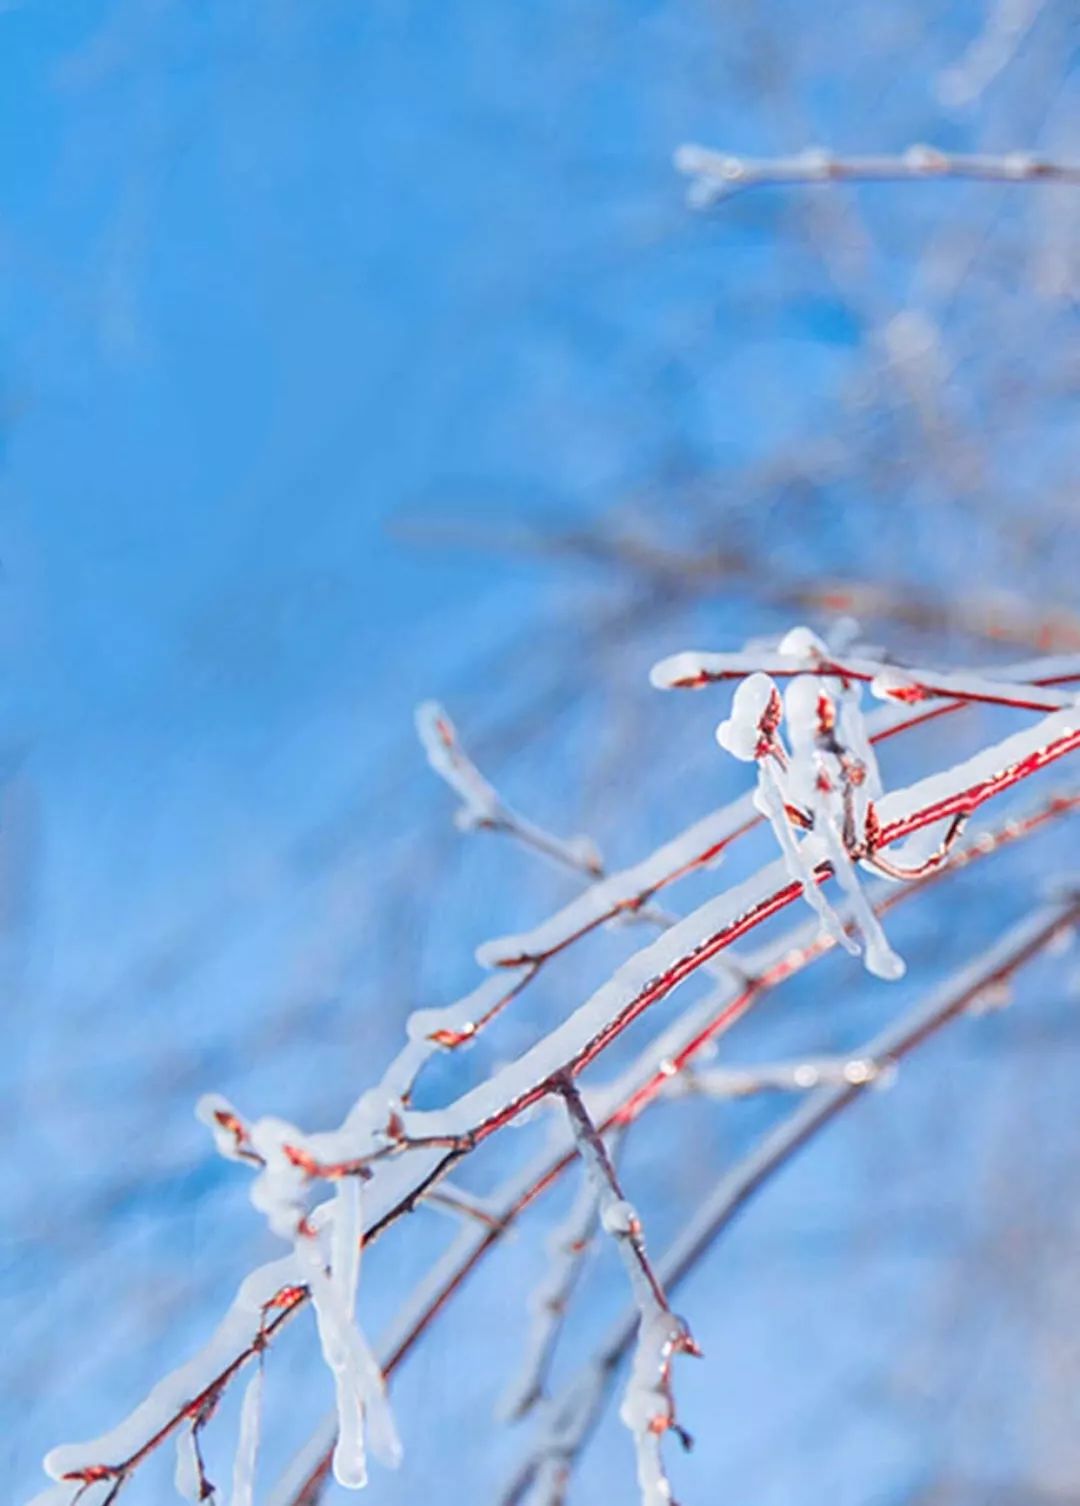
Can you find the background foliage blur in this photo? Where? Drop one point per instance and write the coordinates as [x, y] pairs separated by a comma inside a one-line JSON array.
[[357, 352]]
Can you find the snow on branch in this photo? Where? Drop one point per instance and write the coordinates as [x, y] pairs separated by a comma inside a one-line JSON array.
[[718, 175]]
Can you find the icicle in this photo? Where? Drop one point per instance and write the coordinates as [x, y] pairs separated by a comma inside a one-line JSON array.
[[189, 1477], [822, 777], [820, 780], [358, 1381], [880, 958], [771, 803], [345, 1236], [247, 1443]]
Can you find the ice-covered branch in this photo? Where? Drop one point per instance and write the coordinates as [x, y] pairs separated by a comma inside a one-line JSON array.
[[800, 653], [776, 1077], [267, 1299], [825, 784], [658, 1066], [718, 175], [648, 1408], [410, 1151], [702, 845], [575, 1412]]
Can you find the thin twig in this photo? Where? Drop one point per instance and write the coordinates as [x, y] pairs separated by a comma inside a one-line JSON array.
[[649, 1407], [798, 1076], [568, 1248]]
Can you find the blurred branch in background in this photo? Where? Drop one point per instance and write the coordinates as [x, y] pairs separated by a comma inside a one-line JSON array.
[[715, 176]]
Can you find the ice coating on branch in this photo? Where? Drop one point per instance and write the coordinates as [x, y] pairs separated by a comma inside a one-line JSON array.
[[900, 812], [799, 646], [822, 785], [237, 1332], [854, 735], [961, 788], [480, 804], [829, 780], [247, 1442], [646, 1404], [585, 854], [754, 704], [801, 643], [280, 1190], [572, 1410], [801, 650], [797, 1076], [648, 1408], [225, 1124], [456, 1020], [699, 845], [895, 685], [809, 713], [619, 1217], [879, 956]]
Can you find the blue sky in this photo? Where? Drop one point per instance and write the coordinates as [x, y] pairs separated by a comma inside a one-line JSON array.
[[289, 294]]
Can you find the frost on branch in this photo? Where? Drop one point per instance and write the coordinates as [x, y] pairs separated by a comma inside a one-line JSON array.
[[817, 795]]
